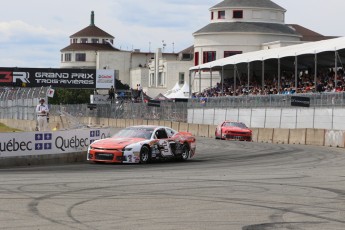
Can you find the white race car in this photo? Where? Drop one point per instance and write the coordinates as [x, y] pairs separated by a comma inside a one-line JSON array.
[[142, 144]]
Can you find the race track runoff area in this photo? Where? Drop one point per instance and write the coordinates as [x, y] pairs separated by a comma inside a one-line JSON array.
[[228, 185]]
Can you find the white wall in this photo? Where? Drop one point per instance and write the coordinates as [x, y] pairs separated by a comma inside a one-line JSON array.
[[120, 61], [290, 118]]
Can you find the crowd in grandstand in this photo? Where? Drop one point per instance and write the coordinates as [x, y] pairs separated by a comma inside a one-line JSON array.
[[305, 84]]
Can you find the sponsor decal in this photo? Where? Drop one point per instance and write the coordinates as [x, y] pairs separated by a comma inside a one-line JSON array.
[[300, 101]]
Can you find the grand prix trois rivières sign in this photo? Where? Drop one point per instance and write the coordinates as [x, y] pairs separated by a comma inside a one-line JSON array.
[[57, 78]]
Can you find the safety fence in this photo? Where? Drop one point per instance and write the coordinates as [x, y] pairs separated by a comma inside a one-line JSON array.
[[274, 111], [20, 103], [267, 101]]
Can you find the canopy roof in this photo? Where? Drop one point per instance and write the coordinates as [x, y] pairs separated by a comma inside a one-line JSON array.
[[181, 93], [277, 53]]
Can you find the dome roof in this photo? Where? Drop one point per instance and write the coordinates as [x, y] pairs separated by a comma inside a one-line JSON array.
[[255, 27], [248, 3], [91, 31]]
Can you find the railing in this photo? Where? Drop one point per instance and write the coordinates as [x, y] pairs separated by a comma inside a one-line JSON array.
[[268, 101], [20, 103]]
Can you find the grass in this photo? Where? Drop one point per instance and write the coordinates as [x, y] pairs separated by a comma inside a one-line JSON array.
[[6, 129]]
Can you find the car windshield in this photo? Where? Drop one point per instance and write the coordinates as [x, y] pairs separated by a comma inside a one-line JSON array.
[[235, 124], [135, 132]]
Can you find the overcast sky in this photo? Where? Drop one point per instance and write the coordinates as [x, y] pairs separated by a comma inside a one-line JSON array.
[[33, 32]]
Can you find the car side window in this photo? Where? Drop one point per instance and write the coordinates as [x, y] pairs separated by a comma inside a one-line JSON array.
[[161, 134], [170, 132]]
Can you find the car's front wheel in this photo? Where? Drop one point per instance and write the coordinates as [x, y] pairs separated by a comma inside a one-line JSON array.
[[144, 155]]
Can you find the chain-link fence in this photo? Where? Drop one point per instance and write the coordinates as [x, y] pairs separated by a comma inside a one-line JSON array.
[[169, 111], [20, 103]]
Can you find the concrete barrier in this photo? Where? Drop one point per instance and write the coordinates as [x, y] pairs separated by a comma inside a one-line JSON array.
[[335, 138], [315, 137], [167, 124], [212, 131], [183, 127], [193, 129], [175, 125], [121, 123], [104, 122], [52, 159], [281, 136], [150, 122], [112, 122], [203, 131], [129, 122], [297, 136], [255, 134], [265, 135]]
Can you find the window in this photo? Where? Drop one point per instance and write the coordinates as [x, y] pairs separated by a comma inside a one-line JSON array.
[[231, 53], [84, 40], [68, 57], [95, 40], [237, 14], [209, 56], [187, 56], [80, 57], [152, 79], [170, 132], [181, 78], [75, 40], [61, 57], [212, 15], [161, 79], [161, 134], [196, 58], [221, 14]]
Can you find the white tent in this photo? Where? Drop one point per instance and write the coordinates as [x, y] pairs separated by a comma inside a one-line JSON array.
[[182, 93], [173, 90]]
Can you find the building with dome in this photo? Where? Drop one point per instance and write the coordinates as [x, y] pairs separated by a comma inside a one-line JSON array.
[[236, 26]]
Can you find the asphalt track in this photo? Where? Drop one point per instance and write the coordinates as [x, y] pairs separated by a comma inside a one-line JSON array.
[[228, 185]]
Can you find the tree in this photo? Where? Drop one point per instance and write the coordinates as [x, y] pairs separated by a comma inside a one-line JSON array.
[[78, 96]]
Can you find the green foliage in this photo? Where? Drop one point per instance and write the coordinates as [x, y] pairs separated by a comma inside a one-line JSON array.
[[78, 96]]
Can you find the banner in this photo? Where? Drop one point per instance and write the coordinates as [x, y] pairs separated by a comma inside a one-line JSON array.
[[48, 77], [99, 99], [105, 78], [43, 143], [300, 101]]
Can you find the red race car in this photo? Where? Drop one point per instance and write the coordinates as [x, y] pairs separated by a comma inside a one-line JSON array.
[[141, 144], [233, 130]]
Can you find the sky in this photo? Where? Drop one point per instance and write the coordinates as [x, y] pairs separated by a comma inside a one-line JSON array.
[[33, 32]]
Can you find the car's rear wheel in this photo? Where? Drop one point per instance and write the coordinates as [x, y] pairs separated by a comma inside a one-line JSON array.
[[144, 155], [185, 153]]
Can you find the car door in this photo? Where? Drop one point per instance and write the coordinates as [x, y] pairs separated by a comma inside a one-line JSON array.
[[163, 142]]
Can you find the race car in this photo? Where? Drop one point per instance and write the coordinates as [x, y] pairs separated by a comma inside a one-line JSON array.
[[233, 130], [142, 144]]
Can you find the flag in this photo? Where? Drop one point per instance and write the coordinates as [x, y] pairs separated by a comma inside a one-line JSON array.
[[50, 93]]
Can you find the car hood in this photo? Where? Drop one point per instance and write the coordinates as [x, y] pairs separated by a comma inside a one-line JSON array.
[[115, 142], [236, 129]]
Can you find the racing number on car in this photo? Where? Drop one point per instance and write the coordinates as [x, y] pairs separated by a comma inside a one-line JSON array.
[[165, 148]]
